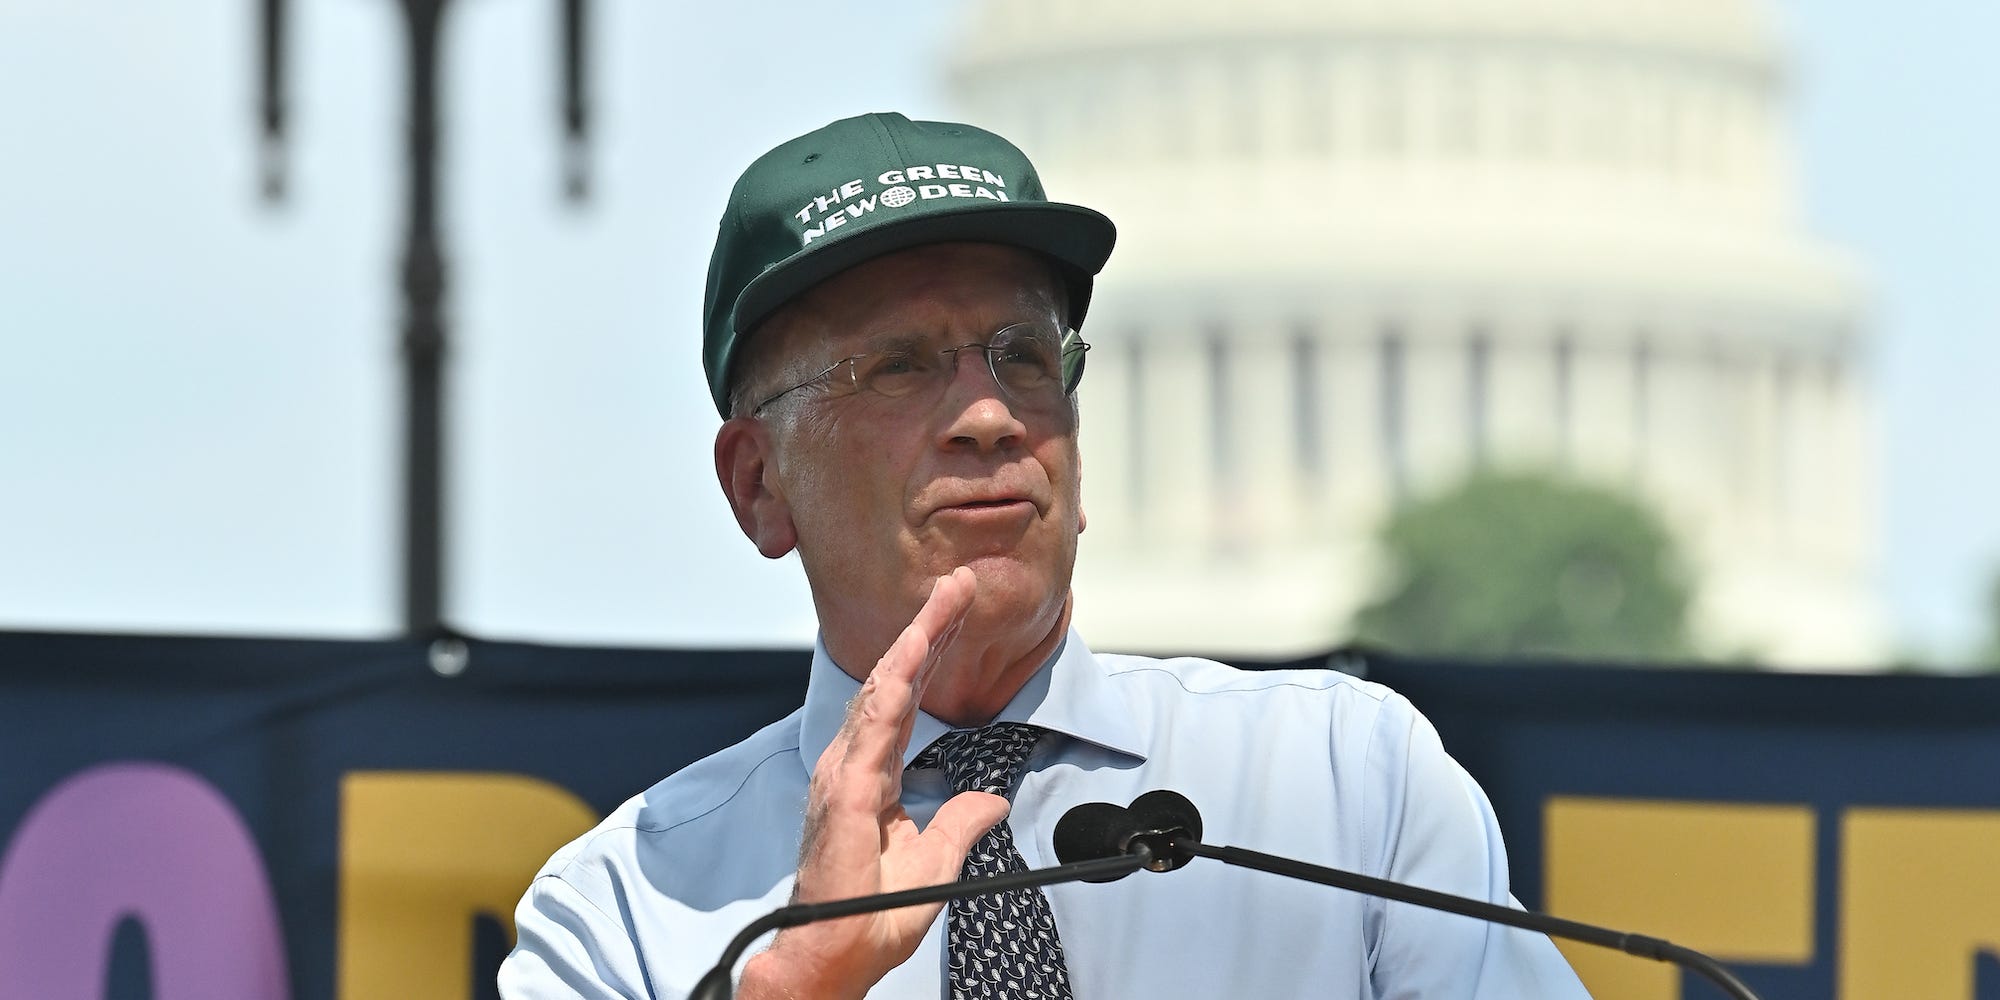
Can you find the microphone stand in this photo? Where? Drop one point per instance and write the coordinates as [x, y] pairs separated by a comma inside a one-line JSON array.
[[1632, 944], [716, 985]]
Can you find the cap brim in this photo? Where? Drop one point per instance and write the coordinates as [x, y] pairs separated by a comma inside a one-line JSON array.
[[1076, 238]]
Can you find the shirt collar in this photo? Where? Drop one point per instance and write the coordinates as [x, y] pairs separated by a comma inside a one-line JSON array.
[[1071, 694]]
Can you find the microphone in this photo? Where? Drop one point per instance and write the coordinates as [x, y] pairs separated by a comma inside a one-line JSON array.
[[1166, 825], [1150, 824], [1165, 820], [1107, 866], [1094, 830]]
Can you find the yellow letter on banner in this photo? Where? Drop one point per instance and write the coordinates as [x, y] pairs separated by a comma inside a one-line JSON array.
[[1734, 881], [420, 854], [1919, 895]]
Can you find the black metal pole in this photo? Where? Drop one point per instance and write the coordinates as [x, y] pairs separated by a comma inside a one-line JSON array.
[[271, 98], [423, 274], [575, 100], [424, 340]]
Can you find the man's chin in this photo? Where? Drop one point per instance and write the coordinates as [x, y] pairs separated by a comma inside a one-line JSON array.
[[1014, 588]]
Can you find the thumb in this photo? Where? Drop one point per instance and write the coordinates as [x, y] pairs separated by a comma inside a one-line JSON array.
[[962, 820]]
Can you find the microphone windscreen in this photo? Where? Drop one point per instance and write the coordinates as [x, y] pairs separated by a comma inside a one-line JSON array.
[[1165, 811], [1091, 831]]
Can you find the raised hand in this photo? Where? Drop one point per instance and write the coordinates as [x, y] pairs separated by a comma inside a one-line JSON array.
[[858, 840]]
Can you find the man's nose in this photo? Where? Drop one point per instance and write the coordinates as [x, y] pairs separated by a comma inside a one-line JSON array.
[[982, 414]]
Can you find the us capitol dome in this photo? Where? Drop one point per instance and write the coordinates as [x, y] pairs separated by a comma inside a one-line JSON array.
[[1369, 246]]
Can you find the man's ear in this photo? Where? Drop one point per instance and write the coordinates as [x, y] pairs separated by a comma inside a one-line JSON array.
[[1082, 522], [744, 456]]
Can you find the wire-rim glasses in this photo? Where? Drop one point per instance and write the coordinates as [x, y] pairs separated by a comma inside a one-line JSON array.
[[1036, 364]]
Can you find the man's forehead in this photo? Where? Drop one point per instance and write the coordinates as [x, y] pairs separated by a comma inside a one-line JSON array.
[[939, 285]]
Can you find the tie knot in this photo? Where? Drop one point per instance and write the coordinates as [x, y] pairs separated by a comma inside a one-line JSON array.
[[984, 760]]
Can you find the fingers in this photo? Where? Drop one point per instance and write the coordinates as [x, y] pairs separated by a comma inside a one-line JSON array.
[[923, 643], [858, 839], [860, 773], [879, 720], [960, 822]]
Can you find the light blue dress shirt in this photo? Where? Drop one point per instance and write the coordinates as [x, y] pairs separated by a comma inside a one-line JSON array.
[[1313, 765]]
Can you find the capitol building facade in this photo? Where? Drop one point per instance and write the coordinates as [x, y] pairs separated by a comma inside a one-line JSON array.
[[1369, 247]]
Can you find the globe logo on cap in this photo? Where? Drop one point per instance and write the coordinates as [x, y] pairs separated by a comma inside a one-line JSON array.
[[898, 196]]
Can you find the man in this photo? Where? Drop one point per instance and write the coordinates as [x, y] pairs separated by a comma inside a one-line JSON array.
[[891, 337]]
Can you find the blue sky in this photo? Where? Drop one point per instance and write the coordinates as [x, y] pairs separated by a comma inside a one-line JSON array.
[[1891, 109], [198, 394]]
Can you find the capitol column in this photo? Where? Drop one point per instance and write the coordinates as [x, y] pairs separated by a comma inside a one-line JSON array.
[[1521, 430], [1680, 463], [1853, 477], [1436, 413], [1263, 394], [1356, 478], [1761, 451], [1601, 432], [1111, 431], [1178, 447]]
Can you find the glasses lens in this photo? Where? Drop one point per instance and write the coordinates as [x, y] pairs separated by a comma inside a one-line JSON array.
[[1027, 360], [897, 371], [1073, 350]]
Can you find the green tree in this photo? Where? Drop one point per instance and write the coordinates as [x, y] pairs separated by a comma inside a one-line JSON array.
[[1518, 564]]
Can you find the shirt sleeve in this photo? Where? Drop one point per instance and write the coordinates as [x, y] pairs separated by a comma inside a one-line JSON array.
[[569, 948], [1436, 829]]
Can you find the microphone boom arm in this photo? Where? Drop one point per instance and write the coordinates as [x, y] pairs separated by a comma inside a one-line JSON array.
[[715, 985], [1654, 948]]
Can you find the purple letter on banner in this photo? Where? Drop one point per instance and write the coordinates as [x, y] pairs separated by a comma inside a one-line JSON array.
[[140, 840]]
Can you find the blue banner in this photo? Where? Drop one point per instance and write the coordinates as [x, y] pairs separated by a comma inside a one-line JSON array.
[[190, 818]]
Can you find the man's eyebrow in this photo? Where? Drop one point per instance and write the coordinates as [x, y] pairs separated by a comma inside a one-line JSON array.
[[893, 340], [909, 339]]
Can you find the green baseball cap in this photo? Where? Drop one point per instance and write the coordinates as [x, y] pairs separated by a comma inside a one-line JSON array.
[[863, 187]]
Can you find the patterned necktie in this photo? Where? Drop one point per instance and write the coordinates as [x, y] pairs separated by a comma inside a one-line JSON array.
[[1002, 945]]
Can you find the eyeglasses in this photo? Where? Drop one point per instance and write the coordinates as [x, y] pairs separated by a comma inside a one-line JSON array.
[[1036, 364]]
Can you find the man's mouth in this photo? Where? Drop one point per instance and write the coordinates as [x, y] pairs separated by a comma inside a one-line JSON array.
[[999, 509]]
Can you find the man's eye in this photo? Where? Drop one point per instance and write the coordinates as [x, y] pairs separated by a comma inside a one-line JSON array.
[[1028, 354], [893, 373]]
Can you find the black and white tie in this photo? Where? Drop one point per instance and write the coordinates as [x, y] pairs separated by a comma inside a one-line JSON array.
[[1003, 946]]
